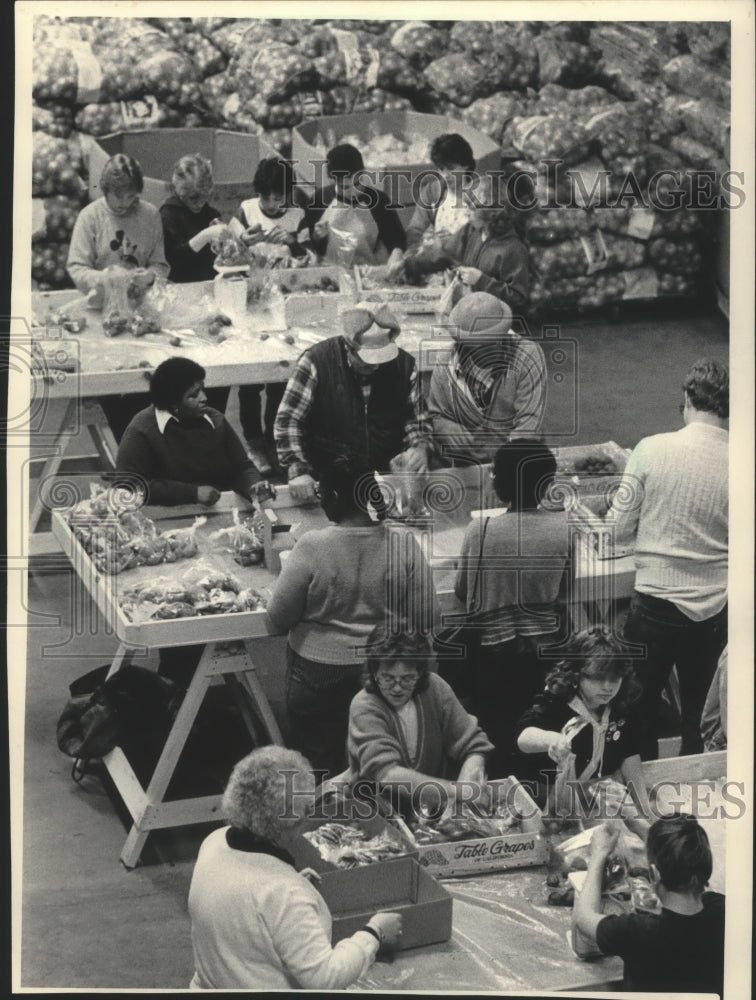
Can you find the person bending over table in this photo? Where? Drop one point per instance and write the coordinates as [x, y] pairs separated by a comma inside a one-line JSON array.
[[486, 253], [679, 950], [190, 224], [123, 229], [256, 922], [185, 451], [275, 217], [354, 394], [407, 729], [335, 586], [492, 388], [356, 225], [510, 575], [582, 728]]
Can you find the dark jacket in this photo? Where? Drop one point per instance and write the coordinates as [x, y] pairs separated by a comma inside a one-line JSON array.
[[339, 422], [390, 229], [179, 226]]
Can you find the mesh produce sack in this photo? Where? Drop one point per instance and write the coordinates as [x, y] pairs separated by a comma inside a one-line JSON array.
[[459, 78], [687, 75], [682, 256], [490, 115], [56, 166], [548, 137], [563, 61], [53, 118], [419, 43]]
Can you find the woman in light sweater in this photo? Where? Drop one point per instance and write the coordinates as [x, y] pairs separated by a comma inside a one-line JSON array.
[[257, 922], [337, 584], [408, 733], [511, 570]]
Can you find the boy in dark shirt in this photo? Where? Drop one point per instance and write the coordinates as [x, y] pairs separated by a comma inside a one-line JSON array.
[[681, 949]]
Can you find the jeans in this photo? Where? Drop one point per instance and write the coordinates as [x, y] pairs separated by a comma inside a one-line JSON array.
[[318, 709], [672, 639], [250, 416]]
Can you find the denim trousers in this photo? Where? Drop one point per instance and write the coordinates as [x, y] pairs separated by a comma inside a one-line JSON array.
[[318, 696], [670, 639]]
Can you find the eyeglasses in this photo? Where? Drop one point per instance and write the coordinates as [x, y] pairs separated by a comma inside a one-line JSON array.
[[405, 683]]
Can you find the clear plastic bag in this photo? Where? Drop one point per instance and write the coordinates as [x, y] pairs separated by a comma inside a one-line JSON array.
[[243, 539]]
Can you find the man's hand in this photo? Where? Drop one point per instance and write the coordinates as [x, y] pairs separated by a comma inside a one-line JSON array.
[[604, 840], [469, 275], [208, 495], [414, 459], [302, 489]]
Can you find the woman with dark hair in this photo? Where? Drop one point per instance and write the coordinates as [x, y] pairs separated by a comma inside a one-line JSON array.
[[407, 728], [357, 225], [336, 585], [582, 726], [118, 228], [441, 207], [510, 577], [185, 451]]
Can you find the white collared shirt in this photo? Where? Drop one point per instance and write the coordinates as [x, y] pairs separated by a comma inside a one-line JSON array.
[[163, 416]]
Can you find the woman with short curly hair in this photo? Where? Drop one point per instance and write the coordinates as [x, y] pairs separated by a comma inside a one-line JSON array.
[[584, 719], [258, 923], [190, 222]]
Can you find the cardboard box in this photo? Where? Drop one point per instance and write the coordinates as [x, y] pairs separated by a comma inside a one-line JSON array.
[[521, 849], [353, 895], [234, 156], [397, 180], [403, 299]]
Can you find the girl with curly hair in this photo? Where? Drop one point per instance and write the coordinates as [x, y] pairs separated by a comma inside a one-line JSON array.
[[582, 727]]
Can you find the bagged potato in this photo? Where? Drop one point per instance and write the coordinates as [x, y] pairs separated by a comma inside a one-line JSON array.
[[548, 137], [275, 71], [490, 115], [564, 61], [53, 118], [681, 256], [556, 224], [459, 78], [419, 43], [687, 75]]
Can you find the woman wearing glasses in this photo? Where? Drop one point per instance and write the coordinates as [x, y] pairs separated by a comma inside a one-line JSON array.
[[407, 730], [335, 587]]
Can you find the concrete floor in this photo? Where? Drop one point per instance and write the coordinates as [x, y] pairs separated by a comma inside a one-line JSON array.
[[87, 923]]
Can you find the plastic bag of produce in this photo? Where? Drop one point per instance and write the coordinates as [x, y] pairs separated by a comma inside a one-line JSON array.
[[491, 114], [687, 75], [563, 61], [48, 266], [556, 224], [55, 166], [275, 71], [59, 214], [243, 539], [681, 256], [459, 78], [548, 137], [419, 43], [53, 118]]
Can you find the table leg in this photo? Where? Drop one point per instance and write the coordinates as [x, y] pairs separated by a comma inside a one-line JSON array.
[[52, 463]]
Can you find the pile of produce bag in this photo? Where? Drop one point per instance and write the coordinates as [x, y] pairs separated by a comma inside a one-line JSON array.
[[200, 590], [347, 846]]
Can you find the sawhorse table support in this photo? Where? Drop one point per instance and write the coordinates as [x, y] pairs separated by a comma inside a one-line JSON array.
[[146, 806]]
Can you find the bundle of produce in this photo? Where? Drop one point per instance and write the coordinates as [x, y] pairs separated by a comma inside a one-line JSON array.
[[53, 118], [205, 56], [48, 266], [640, 49], [300, 107], [553, 97], [600, 290], [707, 122], [207, 26], [378, 99], [547, 137], [676, 284], [56, 166], [419, 43], [57, 218], [587, 255], [60, 55], [381, 150], [645, 223], [697, 155], [459, 78], [686, 75], [505, 49], [127, 308], [563, 61], [708, 41], [553, 225], [243, 539], [556, 292], [347, 846], [681, 256], [275, 71], [123, 116], [214, 92], [201, 590], [466, 825], [490, 115]]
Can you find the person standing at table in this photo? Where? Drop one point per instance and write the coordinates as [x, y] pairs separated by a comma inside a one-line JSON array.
[[510, 577], [190, 224], [337, 584], [121, 229], [356, 226], [441, 208], [675, 511], [357, 394], [492, 389], [274, 218]]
